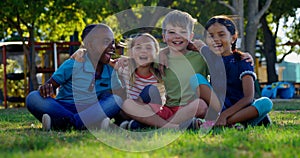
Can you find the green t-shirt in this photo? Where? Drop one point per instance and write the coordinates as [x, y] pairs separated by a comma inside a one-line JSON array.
[[177, 77]]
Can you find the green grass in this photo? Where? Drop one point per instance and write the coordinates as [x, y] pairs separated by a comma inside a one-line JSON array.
[[21, 136]]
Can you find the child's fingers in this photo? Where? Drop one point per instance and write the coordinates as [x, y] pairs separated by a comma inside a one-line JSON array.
[[191, 46], [46, 90]]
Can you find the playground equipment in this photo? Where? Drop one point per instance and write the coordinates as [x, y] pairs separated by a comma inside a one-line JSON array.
[[50, 61], [11, 49], [15, 50], [284, 90]]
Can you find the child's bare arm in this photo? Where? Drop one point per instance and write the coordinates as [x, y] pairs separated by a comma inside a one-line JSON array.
[[163, 60], [196, 45], [78, 55]]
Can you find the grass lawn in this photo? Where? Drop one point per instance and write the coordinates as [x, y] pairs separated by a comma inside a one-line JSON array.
[[21, 136]]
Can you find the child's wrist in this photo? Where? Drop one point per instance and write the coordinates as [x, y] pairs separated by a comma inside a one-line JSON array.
[[201, 47]]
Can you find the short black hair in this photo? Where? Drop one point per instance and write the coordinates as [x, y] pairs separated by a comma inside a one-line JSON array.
[[90, 27], [87, 30]]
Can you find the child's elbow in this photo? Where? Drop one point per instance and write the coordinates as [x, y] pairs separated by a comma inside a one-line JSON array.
[[248, 99]]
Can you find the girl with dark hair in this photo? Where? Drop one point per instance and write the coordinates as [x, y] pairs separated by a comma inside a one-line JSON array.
[[239, 105]]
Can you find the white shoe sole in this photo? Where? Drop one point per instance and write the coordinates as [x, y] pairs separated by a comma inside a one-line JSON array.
[[105, 123], [46, 122]]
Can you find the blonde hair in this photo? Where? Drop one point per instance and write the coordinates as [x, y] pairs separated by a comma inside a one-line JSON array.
[[179, 18], [132, 64]]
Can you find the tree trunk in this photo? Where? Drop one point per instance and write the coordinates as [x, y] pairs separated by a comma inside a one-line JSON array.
[[33, 84], [269, 51], [254, 16], [251, 28], [239, 11]]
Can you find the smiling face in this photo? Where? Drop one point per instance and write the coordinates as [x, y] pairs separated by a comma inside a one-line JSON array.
[[219, 39], [143, 51], [177, 38], [100, 44]]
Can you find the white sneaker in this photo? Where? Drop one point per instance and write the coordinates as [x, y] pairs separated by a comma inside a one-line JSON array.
[[46, 122], [124, 124], [105, 123]]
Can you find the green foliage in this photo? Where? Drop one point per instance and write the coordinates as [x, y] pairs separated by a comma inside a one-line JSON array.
[[14, 87], [51, 20], [285, 11], [57, 20]]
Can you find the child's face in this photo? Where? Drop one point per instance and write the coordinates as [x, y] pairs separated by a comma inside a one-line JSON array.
[[219, 39], [177, 38], [101, 44], [143, 51]]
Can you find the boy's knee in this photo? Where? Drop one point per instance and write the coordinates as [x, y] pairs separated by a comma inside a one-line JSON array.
[[150, 93], [263, 105], [31, 98]]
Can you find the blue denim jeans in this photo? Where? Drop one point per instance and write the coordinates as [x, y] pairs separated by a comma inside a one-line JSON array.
[[65, 115], [150, 94]]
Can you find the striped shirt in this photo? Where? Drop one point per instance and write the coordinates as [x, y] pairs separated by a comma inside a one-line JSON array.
[[133, 91]]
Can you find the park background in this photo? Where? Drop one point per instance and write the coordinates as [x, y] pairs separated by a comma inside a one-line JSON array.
[[269, 31]]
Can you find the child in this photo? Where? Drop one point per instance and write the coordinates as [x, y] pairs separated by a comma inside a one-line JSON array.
[[142, 80], [239, 105], [140, 72], [84, 97], [181, 102]]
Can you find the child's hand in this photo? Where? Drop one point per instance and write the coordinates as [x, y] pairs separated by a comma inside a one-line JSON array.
[[163, 60], [123, 61], [46, 90], [195, 45], [78, 55], [113, 62], [221, 120], [248, 57]]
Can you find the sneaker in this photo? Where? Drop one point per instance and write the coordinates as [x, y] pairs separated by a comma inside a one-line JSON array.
[[46, 122], [105, 123], [133, 125], [266, 121], [124, 124], [238, 126], [194, 124], [207, 124]]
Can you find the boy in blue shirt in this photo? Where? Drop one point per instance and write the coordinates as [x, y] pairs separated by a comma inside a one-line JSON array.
[[85, 96]]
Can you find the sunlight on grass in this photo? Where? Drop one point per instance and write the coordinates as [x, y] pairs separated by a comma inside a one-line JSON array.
[[21, 136]]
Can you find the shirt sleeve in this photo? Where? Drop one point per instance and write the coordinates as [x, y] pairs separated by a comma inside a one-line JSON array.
[[115, 81], [246, 69], [64, 72]]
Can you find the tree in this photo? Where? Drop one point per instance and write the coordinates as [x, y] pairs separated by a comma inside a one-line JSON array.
[[278, 10], [237, 8], [25, 17], [253, 20]]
